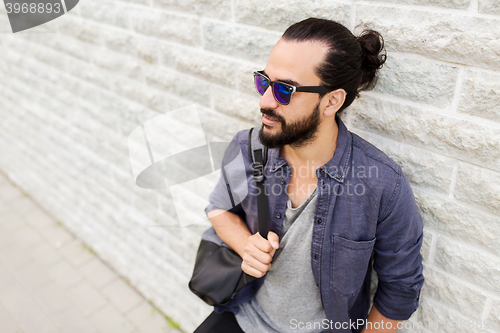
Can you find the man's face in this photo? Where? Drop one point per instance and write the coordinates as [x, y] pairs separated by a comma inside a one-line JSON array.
[[294, 124]]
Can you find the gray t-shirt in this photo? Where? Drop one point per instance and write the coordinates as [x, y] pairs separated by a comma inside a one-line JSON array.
[[289, 297]]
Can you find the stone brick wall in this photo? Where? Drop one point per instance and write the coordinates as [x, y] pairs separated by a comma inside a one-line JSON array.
[[72, 90]]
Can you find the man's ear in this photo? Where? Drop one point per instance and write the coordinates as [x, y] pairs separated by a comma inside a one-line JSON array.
[[334, 101]]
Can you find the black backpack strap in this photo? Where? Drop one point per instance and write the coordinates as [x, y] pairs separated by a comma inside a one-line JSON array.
[[257, 153]]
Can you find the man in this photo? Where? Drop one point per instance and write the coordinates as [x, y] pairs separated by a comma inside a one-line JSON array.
[[343, 207]]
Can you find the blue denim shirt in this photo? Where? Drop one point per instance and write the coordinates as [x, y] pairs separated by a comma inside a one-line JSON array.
[[365, 217]]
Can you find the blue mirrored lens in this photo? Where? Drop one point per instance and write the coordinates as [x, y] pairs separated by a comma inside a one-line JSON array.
[[281, 93], [261, 84]]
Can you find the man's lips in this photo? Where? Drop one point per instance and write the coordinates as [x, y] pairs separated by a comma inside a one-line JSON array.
[[266, 120]]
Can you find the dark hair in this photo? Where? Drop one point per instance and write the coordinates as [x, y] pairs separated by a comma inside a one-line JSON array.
[[351, 62]]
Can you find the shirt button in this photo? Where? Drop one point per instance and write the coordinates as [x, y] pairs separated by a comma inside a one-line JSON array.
[[319, 220], [337, 176], [282, 182], [278, 215]]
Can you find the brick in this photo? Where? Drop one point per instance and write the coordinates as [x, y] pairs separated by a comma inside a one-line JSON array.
[[480, 94], [89, 73], [493, 319], [408, 78], [468, 264], [426, 245], [239, 42], [214, 9], [172, 27], [454, 37], [188, 87], [137, 46], [438, 317], [421, 167], [460, 297], [489, 6], [458, 4], [464, 223], [478, 186], [205, 65], [218, 126], [106, 12], [80, 29], [236, 104], [276, 15], [244, 76], [449, 135]]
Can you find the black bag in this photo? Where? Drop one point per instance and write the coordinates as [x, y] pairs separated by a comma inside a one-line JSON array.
[[217, 274]]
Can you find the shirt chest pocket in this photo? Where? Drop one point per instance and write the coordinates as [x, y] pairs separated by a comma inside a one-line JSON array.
[[349, 264]]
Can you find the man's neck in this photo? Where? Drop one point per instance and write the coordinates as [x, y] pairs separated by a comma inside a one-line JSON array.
[[315, 153]]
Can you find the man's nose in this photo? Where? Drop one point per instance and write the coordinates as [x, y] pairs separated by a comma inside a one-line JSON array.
[[267, 100]]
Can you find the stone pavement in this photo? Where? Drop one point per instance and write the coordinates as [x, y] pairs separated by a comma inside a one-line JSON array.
[[51, 282]]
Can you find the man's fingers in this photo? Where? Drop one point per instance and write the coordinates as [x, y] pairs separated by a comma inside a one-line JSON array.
[[261, 243], [252, 271], [261, 257], [273, 239]]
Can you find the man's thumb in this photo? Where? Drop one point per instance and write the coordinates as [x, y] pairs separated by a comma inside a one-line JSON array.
[[274, 239]]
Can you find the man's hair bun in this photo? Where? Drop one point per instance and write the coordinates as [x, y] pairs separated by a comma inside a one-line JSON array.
[[373, 57]]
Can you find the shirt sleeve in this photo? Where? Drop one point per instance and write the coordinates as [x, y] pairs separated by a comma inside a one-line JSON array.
[[231, 187], [397, 258]]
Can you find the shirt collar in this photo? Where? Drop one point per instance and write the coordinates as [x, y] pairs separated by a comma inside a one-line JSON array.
[[336, 167]]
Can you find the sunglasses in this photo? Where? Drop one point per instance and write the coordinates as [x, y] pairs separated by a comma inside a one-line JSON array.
[[282, 91]]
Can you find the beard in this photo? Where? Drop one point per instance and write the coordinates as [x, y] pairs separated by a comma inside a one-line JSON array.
[[297, 134]]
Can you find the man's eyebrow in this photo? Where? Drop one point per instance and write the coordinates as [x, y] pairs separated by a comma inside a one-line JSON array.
[[292, 82]]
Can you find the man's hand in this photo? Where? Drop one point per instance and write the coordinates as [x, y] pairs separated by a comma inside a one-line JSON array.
[[258, 253]]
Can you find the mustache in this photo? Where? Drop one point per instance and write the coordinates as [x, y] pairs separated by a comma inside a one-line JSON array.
[[271, 114]]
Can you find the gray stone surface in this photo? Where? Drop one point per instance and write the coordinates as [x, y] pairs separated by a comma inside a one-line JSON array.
[[480, 95], [469, 225], [213, 9], [279, 15], [408, 78], [468, 264], [238, 41], [458, 296], [420, 167], [458, 4], [478, 186], [449, 135], [489, 6], [454, 37]]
